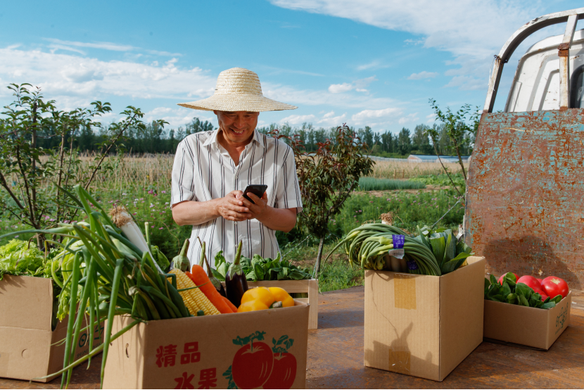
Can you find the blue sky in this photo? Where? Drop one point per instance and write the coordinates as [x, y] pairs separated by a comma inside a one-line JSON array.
[[365, 62]]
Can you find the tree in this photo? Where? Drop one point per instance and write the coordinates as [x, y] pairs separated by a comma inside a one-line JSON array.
[[197, 126], [327, 179], [387, 142], [420, 140], [459, 128], [32, 178], [366, 135], [404, 143]]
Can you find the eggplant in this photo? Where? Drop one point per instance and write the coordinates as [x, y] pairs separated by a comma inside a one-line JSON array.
[[235, 281]]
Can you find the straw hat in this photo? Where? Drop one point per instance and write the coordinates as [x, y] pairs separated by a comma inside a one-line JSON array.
[[238, 89]]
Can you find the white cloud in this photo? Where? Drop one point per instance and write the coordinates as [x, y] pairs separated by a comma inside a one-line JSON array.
[[422, 75], [331, 120], [340, 88], [472, 31], [298, 119], [366, 115], [96, 45], [467, 83], [62, 75], [410, 119], [357, 85], [372, 65]]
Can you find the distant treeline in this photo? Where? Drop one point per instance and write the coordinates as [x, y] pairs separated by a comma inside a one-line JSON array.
[[155, 139]]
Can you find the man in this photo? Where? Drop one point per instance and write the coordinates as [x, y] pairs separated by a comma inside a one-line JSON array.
[[212, 168]]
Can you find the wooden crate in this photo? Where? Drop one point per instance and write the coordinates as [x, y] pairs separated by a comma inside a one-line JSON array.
[[309, 286]]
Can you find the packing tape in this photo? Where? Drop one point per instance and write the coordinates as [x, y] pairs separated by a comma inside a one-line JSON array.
[[404, 290], [399, 361]]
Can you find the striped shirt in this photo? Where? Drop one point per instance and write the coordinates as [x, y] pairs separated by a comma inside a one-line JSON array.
[[203, 170]]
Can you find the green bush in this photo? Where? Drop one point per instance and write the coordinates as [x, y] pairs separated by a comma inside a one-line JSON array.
[[409, 210], [339, 274], [373, 184], [441, 180]]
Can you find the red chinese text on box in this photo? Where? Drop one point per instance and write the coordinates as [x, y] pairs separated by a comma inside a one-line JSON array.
[[166, 355], [207, 379]]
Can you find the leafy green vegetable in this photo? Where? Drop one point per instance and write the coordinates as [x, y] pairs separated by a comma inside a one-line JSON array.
[[21, 258], [259, 268], [516, 293], [448, 251]]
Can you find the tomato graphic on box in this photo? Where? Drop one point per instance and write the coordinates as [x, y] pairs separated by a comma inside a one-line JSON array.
[[252, 363], [255, 364], [284, 371]]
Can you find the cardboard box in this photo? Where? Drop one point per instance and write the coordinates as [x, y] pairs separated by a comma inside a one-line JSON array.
[[212, 351], [537, 328], [27, 349], [309, 286], [423, 325]]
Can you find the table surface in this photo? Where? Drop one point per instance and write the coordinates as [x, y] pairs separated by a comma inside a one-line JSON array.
[[335, 357]]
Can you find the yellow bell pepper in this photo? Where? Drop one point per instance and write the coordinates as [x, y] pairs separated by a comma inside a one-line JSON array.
[[261, 298], [281, 295]]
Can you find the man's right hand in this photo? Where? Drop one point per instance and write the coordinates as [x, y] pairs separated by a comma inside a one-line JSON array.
[[229, 207]]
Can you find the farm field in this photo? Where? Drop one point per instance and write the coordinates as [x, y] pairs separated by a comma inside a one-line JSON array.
[[142, 184]]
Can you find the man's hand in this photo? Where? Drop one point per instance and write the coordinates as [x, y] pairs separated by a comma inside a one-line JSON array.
[[259, 205], [276, 219], [233, 207], [229, 207]]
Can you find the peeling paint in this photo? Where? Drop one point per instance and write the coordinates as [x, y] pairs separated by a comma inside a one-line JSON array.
[[525, 194]]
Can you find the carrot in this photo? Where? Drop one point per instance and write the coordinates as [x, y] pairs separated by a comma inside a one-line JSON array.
[[231, 305], [200, 278]]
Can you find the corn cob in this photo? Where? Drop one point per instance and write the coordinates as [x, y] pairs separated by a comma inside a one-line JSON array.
[[194, 298]]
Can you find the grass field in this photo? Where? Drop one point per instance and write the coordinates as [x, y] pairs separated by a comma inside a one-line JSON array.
[[142, 184]]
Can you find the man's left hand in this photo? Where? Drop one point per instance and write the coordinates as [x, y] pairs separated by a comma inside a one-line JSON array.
[[259, 205]]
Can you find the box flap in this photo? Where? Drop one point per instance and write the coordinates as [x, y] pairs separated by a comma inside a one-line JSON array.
[[461, 331], [26, 302], [24, 353], [402, 323]]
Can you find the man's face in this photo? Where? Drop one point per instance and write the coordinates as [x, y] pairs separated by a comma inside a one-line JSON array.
[[237, 126]]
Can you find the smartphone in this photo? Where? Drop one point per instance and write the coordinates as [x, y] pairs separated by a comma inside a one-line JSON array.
[[256, 189]]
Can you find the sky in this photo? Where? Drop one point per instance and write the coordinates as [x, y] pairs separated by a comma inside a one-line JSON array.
[[373, 63]]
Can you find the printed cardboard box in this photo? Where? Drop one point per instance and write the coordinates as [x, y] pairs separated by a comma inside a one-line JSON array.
[[263, 348], [309, 286], [27, 349], [423, 325], [530, 326]]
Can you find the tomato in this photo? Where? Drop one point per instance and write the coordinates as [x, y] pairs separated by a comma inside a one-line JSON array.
[[502, 276], [284, 372], [554, 286], [531, 281], [251, 368], [541, 292]]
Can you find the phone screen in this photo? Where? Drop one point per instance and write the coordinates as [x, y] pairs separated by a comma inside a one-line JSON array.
[[256, 189]]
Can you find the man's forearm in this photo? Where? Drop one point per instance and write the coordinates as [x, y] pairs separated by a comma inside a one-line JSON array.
[[279, 219], [194, 213]]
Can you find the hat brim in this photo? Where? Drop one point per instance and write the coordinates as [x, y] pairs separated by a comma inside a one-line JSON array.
[[239, 102]]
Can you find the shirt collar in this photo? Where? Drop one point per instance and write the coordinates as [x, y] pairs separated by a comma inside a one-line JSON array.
[[257, 138]]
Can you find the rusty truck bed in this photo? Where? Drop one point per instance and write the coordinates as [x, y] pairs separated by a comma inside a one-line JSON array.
[[335, 357]]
